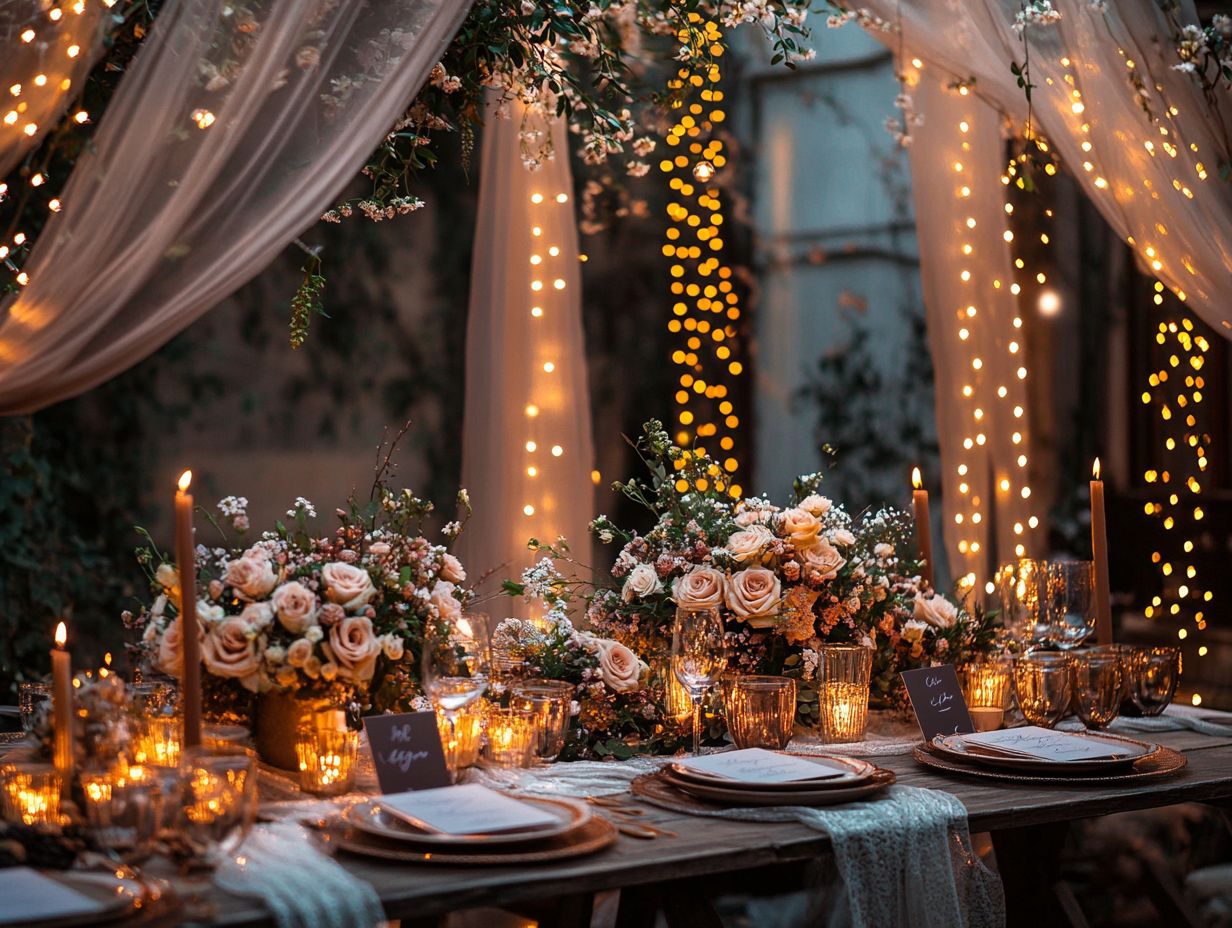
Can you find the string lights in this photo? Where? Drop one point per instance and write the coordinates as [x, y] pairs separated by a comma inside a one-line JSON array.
[[706, 309]]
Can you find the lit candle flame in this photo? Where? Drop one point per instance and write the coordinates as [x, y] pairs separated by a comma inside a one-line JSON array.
[[915, 478], [1095, 469], [185, 480], [61, 635]]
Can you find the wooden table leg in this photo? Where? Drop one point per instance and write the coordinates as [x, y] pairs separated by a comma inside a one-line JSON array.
[[638, 906], [1029, 860]]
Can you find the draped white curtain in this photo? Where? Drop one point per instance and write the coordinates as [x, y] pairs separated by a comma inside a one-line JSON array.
[[527, 446], [236, 127], [1137, 133]]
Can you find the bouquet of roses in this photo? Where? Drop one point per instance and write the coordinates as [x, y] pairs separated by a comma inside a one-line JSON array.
[[316, 614]]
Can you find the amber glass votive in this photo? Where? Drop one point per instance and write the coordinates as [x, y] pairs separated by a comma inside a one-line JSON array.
[[843, 672], [159, 741], [987, 686], [30, 794], [548, 702], [1044, 685], [463, 741], [511, 738], [325, 749], [761, 711]]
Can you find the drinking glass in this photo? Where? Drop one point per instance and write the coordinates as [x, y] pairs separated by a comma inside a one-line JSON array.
[[1043, 683], [456, 662], [1020, 590], [699, 654], [760, 711], [1154, 674], [30, 696], [843, 673], [549, 702], [219, 801], [1098, 682], [1070, 602]]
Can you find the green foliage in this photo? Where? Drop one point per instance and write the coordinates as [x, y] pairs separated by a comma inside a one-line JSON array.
[[307, 301]]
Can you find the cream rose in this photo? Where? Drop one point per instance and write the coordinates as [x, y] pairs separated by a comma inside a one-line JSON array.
[[259, 616], [841, 536], [446, 603], [296, 606], [817, 505], [452, 570], [753, 593], [801, 526], [936, 610], [355, 648], [347, 585], [251, 578], [824, 558], [230, 650], [642, 581], [167, 577], [747, 544], [913, 630], [170, 648], [700, 588], [619, 667]]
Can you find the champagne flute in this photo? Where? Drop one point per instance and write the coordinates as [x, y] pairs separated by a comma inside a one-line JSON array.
[[698, 658], [456, 663]]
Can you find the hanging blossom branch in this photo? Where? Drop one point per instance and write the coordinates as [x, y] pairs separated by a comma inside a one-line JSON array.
[[1032, 13], [1205, 53]]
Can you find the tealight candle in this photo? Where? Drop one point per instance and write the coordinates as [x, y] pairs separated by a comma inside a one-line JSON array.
[[511, 738], [30, 794], [986, 718], [843, 672], [986, 683]]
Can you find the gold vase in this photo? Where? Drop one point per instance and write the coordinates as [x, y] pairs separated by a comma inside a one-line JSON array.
[[275, 721]]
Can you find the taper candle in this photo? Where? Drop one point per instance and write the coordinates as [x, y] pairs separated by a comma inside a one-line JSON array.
[[923, 525], [190, 645], [1099, 553], [62, 708]]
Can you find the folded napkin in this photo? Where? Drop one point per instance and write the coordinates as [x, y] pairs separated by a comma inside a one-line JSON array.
[[1175, 718], [302, 887]]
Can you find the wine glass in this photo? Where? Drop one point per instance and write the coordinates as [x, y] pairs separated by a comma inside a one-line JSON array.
[[1154, 674], [698, 658], [1070, 602], [1021, 586], [456, 662]]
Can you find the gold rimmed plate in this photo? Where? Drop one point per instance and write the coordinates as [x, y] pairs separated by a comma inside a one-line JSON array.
[[952, 747], [1163, 762], [371, 819], [748, 796], [834, 772]]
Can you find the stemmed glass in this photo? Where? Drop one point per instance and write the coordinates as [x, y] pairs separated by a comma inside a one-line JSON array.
[[456, 663], [699, 654], [1070, 602], [1021, 586]]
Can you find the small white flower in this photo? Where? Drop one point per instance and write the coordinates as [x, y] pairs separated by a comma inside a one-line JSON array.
[[314, 633]]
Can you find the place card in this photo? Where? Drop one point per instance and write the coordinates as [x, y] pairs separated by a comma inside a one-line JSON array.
[[1044, 744], [937, 699], [465, 810], [407, 751], [29, 897], [756, 765]]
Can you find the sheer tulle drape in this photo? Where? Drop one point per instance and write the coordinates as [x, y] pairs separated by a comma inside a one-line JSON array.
[[235, 129], [48, 50], [1136, 133], [527, 446]]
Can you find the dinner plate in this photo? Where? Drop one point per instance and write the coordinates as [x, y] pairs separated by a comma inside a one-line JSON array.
[[854, 772], [594, 836], [951, 746], [370, 818], [1161, 763], [746, 796], [114, 897]]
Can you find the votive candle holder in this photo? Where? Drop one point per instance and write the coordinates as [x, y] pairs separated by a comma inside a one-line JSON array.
[[843, 673], [761, 711], [159, 741], [510, 738], [548, 702], [463, 741], [325, 750], [30, 794]]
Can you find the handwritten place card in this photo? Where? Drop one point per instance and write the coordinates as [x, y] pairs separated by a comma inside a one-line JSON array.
[[755, 765], [465, 810], [407, 752], [938, 701], [1043, 744], [29, 897]]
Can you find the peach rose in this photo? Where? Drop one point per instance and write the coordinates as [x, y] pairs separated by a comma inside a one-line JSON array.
[[250, 577], [299, 652], [817, 505], [700, 588], [347, 585], [619, 667], [824, 558], [801, 526], [452, 570], [445, 602], [230, 650], [355, 648], [642, 581], [936, 610], [747, 544], [754, 593], [170, 654], [296, 606]]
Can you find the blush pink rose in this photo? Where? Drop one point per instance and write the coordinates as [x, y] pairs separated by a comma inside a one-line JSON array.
[[619, 667], [251, 578], [170, 648], [446, 603], [754, 593], [355, 648], [299, 652], [230, 650], [823, 558], [295, 606], [452, 569], [700, 588], [747, 544], [347, 585]]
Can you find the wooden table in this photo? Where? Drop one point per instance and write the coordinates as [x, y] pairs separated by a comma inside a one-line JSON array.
[[1027, 824]]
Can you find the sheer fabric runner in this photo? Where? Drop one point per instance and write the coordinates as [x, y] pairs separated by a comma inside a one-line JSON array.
[[230, 135]]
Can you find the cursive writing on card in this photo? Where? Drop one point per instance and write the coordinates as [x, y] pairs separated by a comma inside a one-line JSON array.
[[406, 751], [464, 810], [938, 701]]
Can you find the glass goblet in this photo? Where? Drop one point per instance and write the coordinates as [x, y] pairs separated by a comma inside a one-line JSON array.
[[699, 654], [1154, 674], [1021, 592], [1070, 602], [123, 814], [219, 801], [1098, 682], [1043, 684], [761, 711]]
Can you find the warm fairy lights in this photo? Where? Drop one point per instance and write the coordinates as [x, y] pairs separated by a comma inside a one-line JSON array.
[[706, 312]]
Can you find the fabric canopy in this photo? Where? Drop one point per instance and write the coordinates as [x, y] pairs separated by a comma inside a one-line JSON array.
[[233, 131], [1138, 134]]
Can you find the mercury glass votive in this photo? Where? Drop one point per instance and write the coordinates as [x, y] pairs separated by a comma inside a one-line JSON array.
[[511, 738], [325, 750], [30, 794], [761, 711], [549, 703], [843, 672], [677, 704]]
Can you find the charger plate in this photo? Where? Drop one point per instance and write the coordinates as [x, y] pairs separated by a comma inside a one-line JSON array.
[[371, 819], [1161, 763], [951, 746], [844, 772], [663, 789], [592, 837], [114, 899]]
